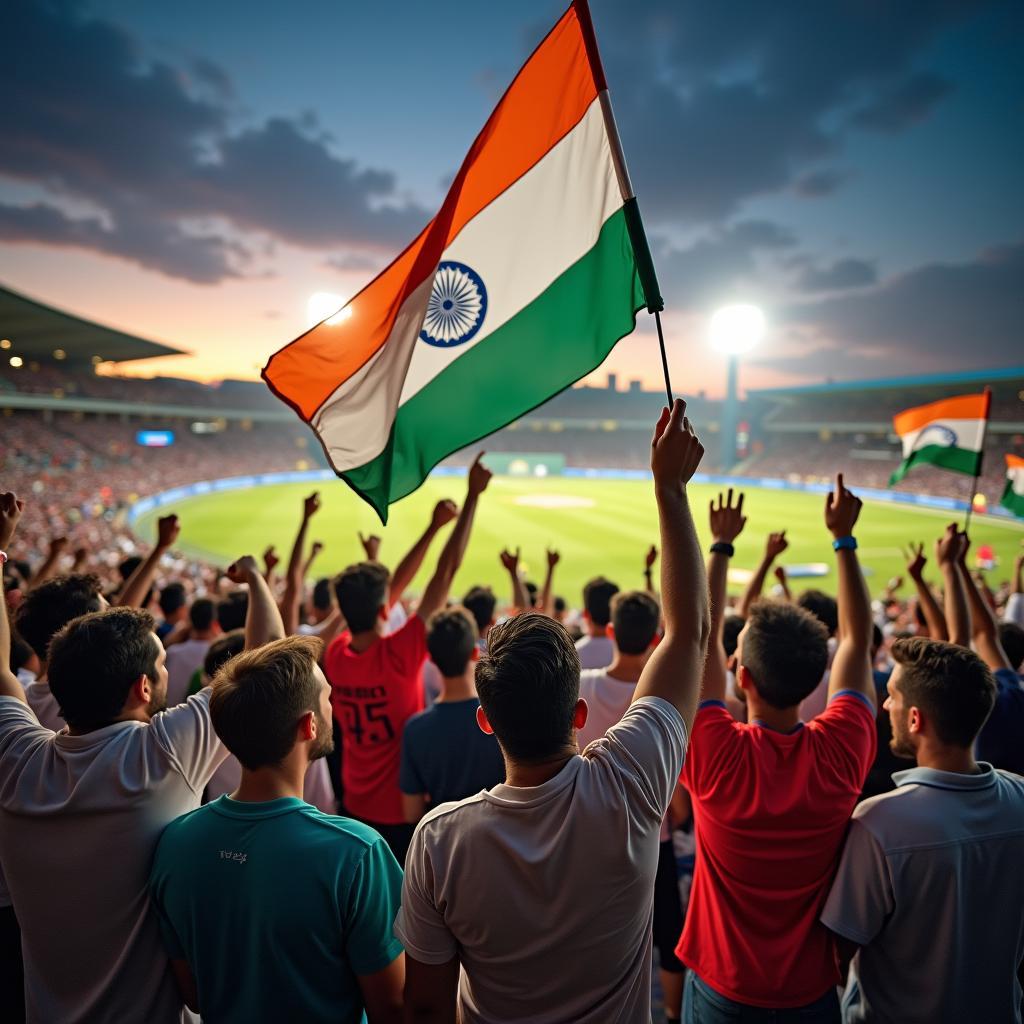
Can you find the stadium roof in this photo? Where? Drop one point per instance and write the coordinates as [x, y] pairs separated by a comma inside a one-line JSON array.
[[37, 331], [1011, 373]]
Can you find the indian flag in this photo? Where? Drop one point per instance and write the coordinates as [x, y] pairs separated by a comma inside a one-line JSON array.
[[521, 285], [1013, 496], [949, 434]]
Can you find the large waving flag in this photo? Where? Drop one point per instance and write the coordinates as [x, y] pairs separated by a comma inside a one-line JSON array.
[[949, 434], [1013, 495], [521, 285]]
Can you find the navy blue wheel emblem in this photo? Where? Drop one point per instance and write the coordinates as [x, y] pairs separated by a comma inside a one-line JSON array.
[[456, 307]]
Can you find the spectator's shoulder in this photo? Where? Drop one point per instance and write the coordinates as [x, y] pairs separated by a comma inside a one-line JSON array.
[[419, 723], [16, 714]]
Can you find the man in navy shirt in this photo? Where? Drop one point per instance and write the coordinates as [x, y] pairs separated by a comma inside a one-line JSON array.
[[445, 755]]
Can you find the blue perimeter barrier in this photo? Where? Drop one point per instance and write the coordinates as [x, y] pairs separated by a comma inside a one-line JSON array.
[[239, 483]]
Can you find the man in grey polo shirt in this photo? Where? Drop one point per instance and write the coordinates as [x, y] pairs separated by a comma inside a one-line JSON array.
[[930, 889]]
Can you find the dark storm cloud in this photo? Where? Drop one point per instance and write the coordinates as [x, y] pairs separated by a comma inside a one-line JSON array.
[[354, 261], [843, 274], [907, 103], [150, 145]]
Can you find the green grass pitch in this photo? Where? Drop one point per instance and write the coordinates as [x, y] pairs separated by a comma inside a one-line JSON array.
[[599, 526]]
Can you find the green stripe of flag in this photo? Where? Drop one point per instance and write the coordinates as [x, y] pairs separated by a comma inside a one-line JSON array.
[[564, 334], [1012, 500], [955, 459]]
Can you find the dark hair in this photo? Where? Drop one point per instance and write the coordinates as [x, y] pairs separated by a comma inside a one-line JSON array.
[[732, 626], [597, 599], [451, 640], [232, 609], [877, 639], [260, 695], [128, 566], [951, 684], [222, 650], [1011, 636], [322, 595], [202, 614], [362, 590], [53, 604], [480, 602], [529, 682], [785, 649], [531, 591], [560, 605], [95, 660], [172, 597], [635, 619], [822, 607], [21, 653]]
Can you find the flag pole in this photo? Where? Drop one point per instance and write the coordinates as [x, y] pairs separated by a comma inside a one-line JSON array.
[[981, 459], [631, 209]]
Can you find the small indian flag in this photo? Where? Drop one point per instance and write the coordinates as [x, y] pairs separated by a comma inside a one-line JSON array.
[[1013, 496], [521, 285], [949, 434]]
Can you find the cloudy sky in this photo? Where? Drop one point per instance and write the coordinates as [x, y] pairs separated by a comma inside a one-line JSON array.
[[193, 172]]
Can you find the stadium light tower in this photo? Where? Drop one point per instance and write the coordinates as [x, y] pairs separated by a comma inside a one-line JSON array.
[[734, 330]]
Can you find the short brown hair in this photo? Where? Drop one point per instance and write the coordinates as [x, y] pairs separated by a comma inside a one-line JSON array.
[[260, 695], [362, 590], [951, 684], [451, 640], [635, 619], [528, 682], [785, 649]]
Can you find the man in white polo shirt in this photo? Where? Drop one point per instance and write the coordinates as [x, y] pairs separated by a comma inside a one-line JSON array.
[[930, 889], [539, 892]]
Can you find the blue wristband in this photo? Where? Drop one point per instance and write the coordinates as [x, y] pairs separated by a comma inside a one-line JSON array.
[[844, 544]]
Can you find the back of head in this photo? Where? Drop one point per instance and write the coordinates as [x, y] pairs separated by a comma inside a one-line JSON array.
[[480, 602], [1011, 636], [822, 607], [52, 605], [528, 683], [172, 598], [95, 660], [202, 614], [322, 595], [259, 697], [635, 620], [231, 611], [950, 684], [451, 640], [222, 650], [785, 649], [362, 591], [732, 626], [597, 600], [128, 566]]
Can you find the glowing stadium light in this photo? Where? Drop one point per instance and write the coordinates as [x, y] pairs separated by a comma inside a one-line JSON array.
[[736, 329], [5, 343], [16, 361], [321, 305]]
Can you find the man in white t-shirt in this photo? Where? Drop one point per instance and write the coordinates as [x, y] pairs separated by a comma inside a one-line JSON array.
[[539, 891], [184, 659], [596, 648]]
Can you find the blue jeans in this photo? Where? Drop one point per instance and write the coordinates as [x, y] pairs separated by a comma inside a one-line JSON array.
[[703, 1005]]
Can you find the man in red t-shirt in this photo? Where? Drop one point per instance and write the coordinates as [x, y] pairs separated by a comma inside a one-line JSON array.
[[375, 679], [772, 798]]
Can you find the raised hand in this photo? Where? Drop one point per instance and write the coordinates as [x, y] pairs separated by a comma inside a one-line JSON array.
[[479, 476], [727, 519], [553, 558], [371, 546], [240, 570], [444, 512], [510, 561], [11, 507], [951, 547], [775, 545], [780, 574], [311, 505], [916, 561], [270, 559], [167, 530], [675, 450], [650, 558], [315, 549], [58, 545], [842, 507]]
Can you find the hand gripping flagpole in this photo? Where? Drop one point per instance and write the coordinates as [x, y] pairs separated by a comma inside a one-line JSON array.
[[981, 459], [631, 209]]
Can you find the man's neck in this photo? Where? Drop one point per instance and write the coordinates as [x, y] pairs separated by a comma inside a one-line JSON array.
[[597, 631], [627, 667], [536, 773], [777, 719], [204, 634], [457, 687], [947, 759], [139, 714], [366, 638], [272, 783]]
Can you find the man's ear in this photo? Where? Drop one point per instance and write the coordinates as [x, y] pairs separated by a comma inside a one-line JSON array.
[[609, 631], [383, 613], [580, 715], [475, 656], [481, 720], [915, 720], [141, 691], [744, 680]]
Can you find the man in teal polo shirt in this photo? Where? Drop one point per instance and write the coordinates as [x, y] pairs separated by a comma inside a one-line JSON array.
[[270, 909]]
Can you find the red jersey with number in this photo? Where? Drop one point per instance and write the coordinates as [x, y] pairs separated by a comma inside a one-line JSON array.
[[770, 812], [373, 694]]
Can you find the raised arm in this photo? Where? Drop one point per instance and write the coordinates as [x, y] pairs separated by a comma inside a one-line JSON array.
[[137, 586], [10, 512], [292, 598], [675, 668], [851, 667], [58, 545], [547, 595], [958, 615], [985, 626], [773, 547], [933, 616], [783, 581], [454, 550], [649, 559], [520, 596], [262, 618], [727, 522], [1015, 602], [405, 572], [314, 552], [271, 559]]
